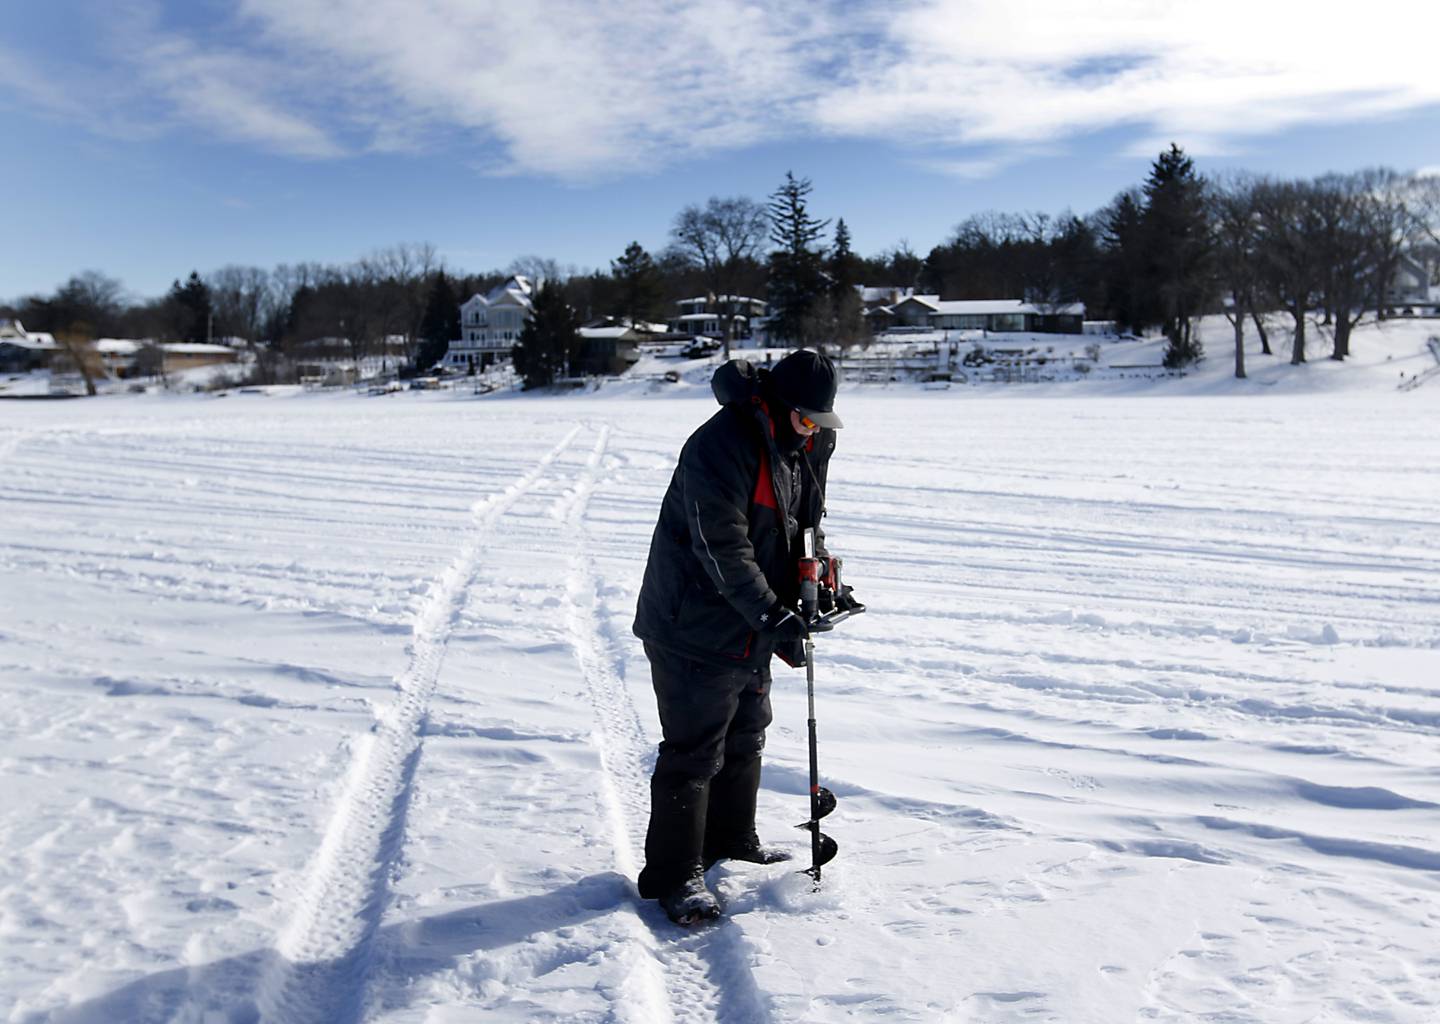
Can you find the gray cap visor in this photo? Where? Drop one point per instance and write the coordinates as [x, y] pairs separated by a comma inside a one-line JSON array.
[[828, 420]]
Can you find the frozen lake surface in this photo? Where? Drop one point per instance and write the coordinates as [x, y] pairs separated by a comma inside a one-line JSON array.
[[326, 708]]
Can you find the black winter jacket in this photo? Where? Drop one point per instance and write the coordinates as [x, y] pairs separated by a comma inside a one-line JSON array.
[[728, 541]]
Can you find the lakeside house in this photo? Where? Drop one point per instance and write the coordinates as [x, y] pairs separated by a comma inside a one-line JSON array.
[[704, 315], [22, 351], [930, 312], [1411, 292], [610, 347], [490, 324], [125, 357]]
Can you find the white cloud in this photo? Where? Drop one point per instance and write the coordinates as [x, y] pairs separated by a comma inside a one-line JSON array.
[[232, 90], [572, 89], [971, 71], [22, 77], [967, 170], [225, 93], [987, 164], [577, 90], [83, 96]]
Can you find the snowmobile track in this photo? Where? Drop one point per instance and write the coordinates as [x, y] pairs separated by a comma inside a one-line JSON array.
[[323, 953], [700, 975], [11, 442]]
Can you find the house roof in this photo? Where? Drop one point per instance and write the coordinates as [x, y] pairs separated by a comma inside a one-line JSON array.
[[883, 293], [988, 307], [707, 316], [718, 298], [625, 323], [929, 301], [117, 346], [1417, 268], [515, 290], [186, 348], [34, 341]]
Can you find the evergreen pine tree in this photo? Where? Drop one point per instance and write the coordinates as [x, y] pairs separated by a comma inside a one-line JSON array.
[[637, 281], [1126, 280], [1176, 238], [797, 273], [550, 340], [845, 308], [191, 308], [440, 324], [844, 266]]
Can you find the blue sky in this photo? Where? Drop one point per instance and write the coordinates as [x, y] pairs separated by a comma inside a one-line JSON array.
[[146, 139]]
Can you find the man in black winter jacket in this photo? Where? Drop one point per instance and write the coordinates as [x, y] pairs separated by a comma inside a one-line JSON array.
[[718, 599]]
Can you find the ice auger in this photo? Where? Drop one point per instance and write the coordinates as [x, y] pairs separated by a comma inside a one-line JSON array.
[[820, 587]]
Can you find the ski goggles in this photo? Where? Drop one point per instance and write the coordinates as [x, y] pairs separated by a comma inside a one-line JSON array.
[[807, 422]]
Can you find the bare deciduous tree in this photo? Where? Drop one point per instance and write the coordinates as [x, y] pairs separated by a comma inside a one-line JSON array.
[[1290, 266], [239, 296], [1233, 224], [720, 240], [1422, 194], [1363, 222], [540, 269], [405, 272]]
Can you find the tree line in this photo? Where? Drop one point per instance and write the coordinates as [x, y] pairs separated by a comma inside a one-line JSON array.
[[1157, 257], [1180, 245]]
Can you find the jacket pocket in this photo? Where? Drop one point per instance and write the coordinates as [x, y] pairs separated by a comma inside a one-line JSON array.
[[708, 622], [684, 598]]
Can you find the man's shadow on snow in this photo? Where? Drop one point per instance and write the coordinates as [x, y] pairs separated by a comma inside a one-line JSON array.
[[227, 989]]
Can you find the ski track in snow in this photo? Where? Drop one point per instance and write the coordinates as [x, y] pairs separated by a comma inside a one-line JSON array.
[[705, 975], [11, 441], [324, 951]]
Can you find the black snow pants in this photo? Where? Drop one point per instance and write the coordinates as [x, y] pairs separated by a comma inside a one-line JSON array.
[[702, 795]]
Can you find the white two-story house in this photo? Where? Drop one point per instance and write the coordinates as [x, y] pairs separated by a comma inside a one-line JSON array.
[[1411, 292], [703, 316], [490, 324]]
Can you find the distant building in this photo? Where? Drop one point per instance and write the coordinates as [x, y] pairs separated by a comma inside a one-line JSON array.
[[22, 351], [125, 357], [1411, 292], [189, 355], [886, 295], [490, 324], [996, 315], [336, 359], [609, 349], [703, 316], [117, 355]]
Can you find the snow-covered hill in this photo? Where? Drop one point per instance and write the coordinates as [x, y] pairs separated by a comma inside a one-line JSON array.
[[325, 708]]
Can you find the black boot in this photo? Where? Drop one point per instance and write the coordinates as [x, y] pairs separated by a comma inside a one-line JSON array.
[[691, 902], [748, 849], [675, 838]]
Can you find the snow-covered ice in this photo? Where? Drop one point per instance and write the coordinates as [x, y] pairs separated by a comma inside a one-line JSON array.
[[325, 708]]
